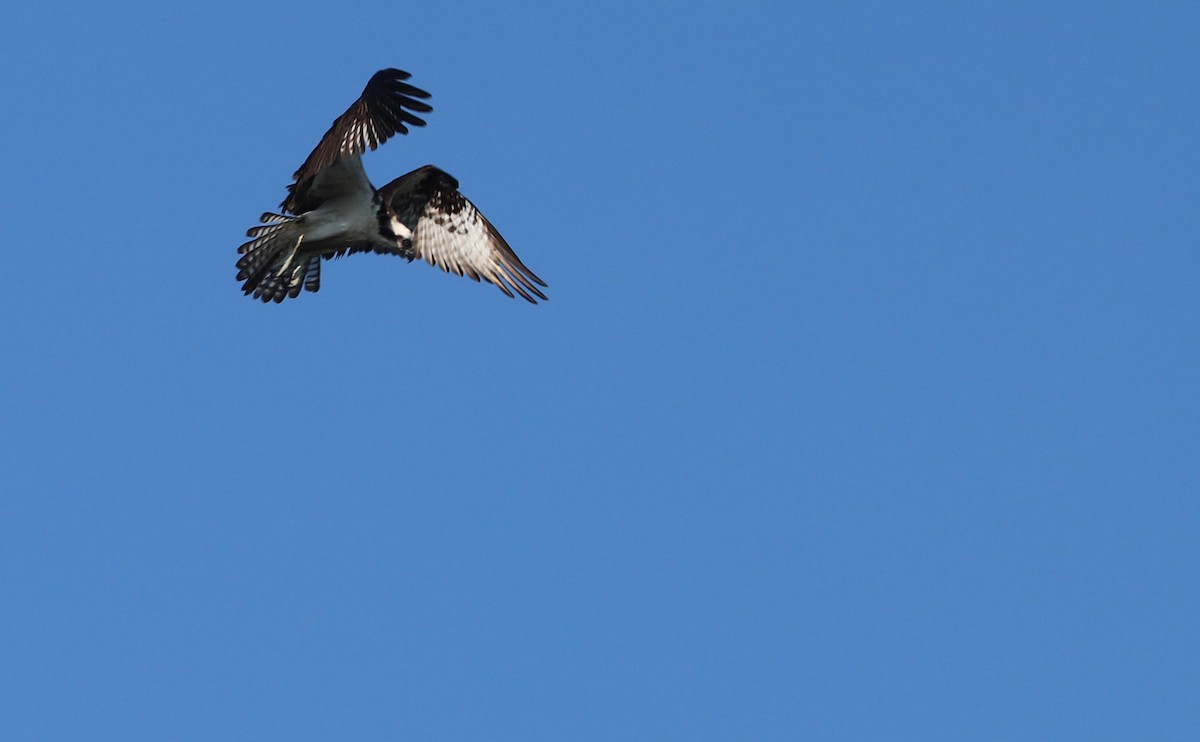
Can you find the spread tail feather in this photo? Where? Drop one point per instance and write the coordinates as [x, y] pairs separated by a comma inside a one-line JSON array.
[[270, 266]]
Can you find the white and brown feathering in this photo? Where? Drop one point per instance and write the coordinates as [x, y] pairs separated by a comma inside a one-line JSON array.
[[427, 213], [333, 210]]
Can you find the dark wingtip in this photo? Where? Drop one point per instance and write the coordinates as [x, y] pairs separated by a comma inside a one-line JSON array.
[[395, 79]]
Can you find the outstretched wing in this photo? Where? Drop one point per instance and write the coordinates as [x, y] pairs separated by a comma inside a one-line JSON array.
[[385, 108], [425, 210]]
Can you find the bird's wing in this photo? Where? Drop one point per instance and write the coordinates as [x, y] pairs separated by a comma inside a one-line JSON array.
[[386, 107], [446, 230]]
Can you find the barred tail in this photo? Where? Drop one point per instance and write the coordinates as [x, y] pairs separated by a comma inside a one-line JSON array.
[[271, 267]]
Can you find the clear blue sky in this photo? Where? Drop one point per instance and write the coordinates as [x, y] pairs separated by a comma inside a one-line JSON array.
[[864, 406]]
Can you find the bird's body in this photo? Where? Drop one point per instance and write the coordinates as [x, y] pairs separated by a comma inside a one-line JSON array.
[[333, 210]]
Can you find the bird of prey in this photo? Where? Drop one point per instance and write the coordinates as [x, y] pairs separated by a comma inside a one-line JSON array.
[[332, 209]]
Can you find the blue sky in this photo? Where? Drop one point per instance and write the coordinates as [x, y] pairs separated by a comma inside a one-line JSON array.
[[864, 405]]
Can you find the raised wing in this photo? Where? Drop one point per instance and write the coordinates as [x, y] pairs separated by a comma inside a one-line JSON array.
[[426, 211], [385, 108]]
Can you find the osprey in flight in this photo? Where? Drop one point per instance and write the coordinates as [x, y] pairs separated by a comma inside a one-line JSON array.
[[332, 209]]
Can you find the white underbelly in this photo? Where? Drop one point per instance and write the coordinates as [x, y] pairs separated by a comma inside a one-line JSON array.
[[343, 220]]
